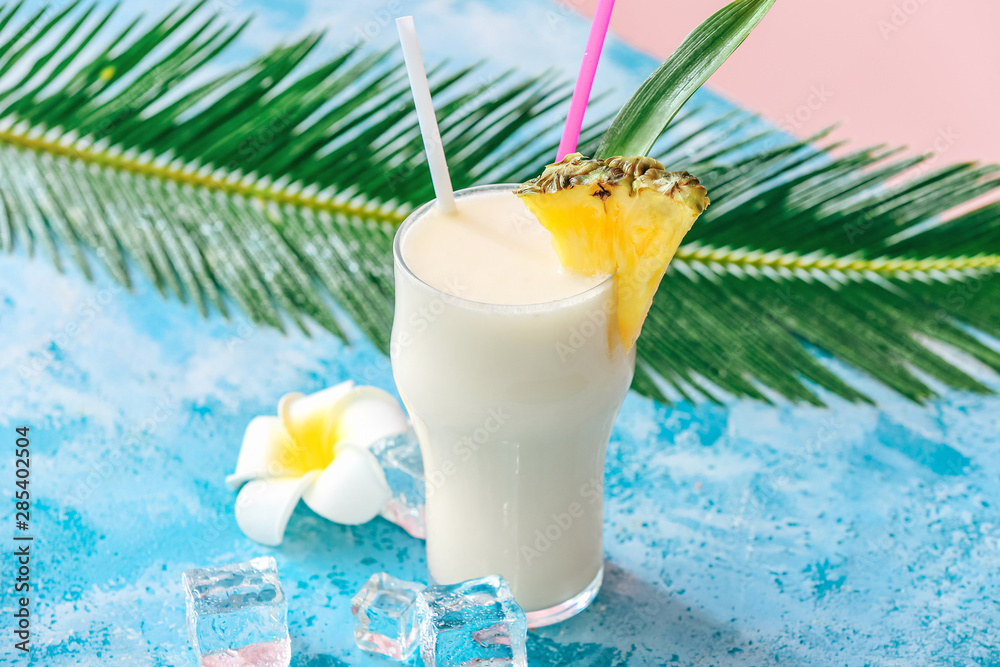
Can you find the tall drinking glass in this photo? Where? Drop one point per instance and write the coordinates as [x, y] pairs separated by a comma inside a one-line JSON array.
[[513, 406]]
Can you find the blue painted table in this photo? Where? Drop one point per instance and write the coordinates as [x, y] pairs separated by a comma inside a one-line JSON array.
[[736, 535]]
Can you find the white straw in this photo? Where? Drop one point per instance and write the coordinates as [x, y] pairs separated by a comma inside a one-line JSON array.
[[425, 114]]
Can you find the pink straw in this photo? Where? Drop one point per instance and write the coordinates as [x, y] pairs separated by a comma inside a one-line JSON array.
[[585, 81]]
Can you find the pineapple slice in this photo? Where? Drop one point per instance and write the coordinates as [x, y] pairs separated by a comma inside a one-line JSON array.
[[622, 216]]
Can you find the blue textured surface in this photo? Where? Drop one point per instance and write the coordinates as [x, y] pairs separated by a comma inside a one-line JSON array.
[[736, 535]]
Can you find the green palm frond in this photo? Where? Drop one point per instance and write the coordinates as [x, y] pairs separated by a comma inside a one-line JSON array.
[[275, 187]]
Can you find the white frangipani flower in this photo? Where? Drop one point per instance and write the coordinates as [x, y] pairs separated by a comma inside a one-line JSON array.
[[316, 449]]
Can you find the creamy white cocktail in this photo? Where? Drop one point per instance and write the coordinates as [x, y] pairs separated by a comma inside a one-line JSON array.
[[513, 378]]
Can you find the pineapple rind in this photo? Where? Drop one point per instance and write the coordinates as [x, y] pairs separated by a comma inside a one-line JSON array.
[[634, 173]]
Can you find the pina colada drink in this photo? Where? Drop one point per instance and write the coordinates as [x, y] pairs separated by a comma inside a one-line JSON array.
[[507, 368], [513, 346]]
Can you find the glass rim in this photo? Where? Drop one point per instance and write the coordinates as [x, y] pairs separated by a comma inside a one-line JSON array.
[[472, 304]]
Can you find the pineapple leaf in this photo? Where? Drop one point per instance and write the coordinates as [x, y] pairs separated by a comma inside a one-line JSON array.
[[651, 108], [229, 191]]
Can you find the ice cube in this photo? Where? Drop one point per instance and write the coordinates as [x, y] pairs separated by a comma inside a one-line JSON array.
[[237, 615], [476, 622], [400, 458], [385, 616]]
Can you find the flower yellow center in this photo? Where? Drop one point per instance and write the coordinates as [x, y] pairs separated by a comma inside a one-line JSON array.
[[310, 442], [302, 456]]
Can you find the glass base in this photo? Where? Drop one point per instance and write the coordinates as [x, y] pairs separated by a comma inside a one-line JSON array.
[[569, 608]]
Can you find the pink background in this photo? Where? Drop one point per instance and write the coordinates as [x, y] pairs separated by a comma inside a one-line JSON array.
[[919, 73]]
